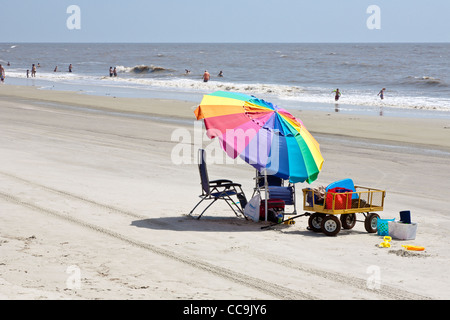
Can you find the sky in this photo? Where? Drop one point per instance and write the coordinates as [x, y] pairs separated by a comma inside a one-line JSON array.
[[236, 21]]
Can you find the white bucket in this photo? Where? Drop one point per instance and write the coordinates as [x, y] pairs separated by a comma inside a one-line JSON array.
[[402, 231]]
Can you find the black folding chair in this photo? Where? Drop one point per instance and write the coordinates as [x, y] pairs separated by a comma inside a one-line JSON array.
[[222, 189]]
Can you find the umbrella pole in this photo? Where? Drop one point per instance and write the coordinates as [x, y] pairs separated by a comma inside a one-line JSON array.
[[265, 191]]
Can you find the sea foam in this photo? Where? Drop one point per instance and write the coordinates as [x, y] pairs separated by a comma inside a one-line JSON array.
[[301, 94]]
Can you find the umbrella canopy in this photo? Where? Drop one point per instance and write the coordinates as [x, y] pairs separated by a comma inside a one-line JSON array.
[[263, 134]]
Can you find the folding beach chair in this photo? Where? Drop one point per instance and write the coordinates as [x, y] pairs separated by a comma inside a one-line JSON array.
[[222, 189], [276, 189]]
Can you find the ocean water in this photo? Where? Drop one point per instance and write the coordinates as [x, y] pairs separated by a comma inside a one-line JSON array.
[[416, 76]]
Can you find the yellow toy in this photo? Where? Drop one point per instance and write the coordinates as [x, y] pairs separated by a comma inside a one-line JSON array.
[[413, 248], [385, 243]]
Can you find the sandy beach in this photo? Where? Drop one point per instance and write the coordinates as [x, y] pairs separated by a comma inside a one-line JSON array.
[[93, 206]]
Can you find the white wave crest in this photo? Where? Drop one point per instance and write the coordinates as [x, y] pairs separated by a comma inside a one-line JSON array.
[[141, 69]]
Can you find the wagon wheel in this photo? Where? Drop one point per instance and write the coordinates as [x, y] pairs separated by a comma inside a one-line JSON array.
[[331, 225], [348, 220], [370, 223], [315, 220]]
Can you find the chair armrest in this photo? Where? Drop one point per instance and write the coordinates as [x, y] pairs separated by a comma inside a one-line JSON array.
[[225, 185], [220, 181], [231, 185]]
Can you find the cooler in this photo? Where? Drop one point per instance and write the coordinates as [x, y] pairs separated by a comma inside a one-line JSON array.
[[274, 207]]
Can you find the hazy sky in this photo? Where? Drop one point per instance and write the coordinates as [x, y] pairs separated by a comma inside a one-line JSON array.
[[225, 21]]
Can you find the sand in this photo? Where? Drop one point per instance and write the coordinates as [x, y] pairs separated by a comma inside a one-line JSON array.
[[94, 205]]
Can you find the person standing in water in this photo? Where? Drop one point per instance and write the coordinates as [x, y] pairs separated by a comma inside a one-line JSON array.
[[381, 93], [2, 73], [337, 95], [206, 76], [33, 70], [70, 67]]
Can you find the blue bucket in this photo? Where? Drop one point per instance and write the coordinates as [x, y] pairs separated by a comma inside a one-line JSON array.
[[383, 226]]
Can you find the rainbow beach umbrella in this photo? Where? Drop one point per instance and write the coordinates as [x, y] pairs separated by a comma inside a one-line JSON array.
[[266, 136]]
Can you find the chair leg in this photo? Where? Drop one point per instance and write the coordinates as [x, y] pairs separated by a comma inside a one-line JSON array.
[[206, 208], [232, 202], [240, 211], [227, 199], [192, 211]]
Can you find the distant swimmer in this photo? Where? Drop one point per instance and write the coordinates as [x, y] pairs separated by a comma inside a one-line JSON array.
[[187, 71], [33, 70], [338, 94], [70, 67], [381, 93], [56, 69], [2, 73], [220, 73], [115, 72], [206, 76], [110, 71]]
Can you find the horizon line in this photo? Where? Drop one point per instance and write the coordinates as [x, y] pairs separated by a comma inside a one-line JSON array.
[[202, 42]]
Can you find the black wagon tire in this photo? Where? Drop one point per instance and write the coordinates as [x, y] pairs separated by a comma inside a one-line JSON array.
[[348, 220], [370, 223], [315, 221], [331, 225]]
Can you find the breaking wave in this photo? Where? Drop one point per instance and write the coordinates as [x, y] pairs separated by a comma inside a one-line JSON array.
[[425, 81], [142, 69]]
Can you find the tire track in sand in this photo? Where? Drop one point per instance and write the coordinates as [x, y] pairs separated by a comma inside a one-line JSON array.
[[263, 286], [360, 284], [357, 283]]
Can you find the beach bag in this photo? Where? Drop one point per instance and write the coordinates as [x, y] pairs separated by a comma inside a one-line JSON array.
[[341, 201], [383, 226], [315, 196], [251, 209]]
